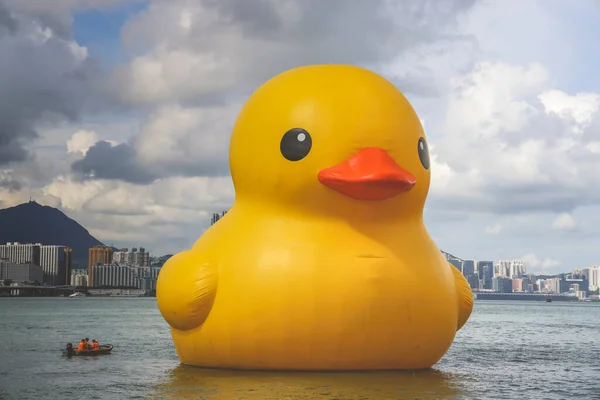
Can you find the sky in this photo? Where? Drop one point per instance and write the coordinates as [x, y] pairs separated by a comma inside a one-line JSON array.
[[119, 112]]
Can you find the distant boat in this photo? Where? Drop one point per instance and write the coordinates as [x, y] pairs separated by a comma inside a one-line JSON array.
[[548, 299], [70, 351], [78, 294]]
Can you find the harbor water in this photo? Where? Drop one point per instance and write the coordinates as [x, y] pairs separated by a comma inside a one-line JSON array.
[[507, 350]]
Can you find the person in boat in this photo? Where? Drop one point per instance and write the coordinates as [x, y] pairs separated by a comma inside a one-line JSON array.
[[95, 345], [87, 344], [82, 345]]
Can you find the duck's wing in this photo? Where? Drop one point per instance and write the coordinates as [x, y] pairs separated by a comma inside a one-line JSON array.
[[186, 288], [464, 296]]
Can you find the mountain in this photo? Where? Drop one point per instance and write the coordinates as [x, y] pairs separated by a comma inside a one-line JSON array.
[[450, 256], [34, 223], [164, 258]]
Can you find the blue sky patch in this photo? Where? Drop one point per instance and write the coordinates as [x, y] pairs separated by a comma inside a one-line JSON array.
[[100, 30]]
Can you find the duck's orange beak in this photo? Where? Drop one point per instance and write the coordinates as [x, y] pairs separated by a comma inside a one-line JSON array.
[[370, 174]]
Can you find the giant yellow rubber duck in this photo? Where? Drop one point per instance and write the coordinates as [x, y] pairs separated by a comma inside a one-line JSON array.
[[324, 261]]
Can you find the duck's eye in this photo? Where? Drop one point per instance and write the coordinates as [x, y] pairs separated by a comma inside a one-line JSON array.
[[424, 153], [295, 144]]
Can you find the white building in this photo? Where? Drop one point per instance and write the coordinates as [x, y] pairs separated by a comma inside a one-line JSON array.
[[509, 268], [593, 276], [112, 276], [20, 253], [54, 260], [79, 277], [147, 277], [56, 264], [124, 276], [551, 285], [135, 257]]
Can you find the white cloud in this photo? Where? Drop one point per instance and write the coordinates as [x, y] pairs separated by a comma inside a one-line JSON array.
[[564, 222], [493, 229], [159, 215], [37, 85], [203, 49], [73, 196], [501, 151], [81, 141], [582, 108], [187, 138], [534, 264], [513, 124]]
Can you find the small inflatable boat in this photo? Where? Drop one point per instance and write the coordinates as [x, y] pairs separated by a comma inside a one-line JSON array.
[[70, 351]]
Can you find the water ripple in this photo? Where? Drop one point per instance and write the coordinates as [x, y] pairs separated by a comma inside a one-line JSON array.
[[508, 350]]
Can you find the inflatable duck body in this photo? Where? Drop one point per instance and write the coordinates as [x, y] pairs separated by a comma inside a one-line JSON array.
[[324, 261]]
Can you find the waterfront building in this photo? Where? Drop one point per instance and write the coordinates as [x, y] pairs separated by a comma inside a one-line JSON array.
[[553, 284], [474, 282], [124, 276], [21, 272], [55, 261], [467, 267], [98, 255], [509, 268], [20, 253], [140, 258], [79, 277], [111, 275], [147, 277], [574, 284], [580, 294], [550, 285], [457, 263], [517, 285], [593, 277], [526, 284], [522, 284], [502, 285], [485, 270]]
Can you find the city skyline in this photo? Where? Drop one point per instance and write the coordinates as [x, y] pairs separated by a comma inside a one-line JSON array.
[[108, 268], [44, 265], [131, 137]]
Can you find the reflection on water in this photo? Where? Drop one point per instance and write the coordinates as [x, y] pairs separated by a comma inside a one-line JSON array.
[[186, 382]]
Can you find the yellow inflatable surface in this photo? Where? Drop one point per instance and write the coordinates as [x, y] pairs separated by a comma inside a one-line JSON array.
[[324, 261]]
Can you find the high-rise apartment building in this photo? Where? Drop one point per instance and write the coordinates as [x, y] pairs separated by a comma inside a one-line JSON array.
[[55, 260], [123, 276], [56, 263], [135, 257], [98, 255], [113, 276], [502, 285], [21, 253], [147, 278], [510, 268], [593, 277], [468, 267], [485, 270], [79, 277], [21, 272]]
